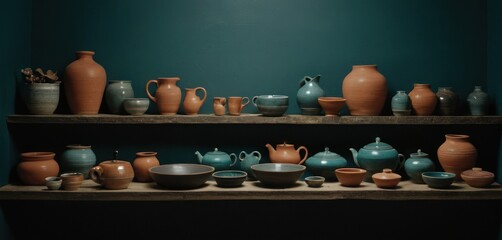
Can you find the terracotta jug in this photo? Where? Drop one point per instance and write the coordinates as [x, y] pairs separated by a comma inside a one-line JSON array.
[[113, 174], [167, 96], [193, 102], [423, 100], [457, 154], [84, 84], [286, 153], [141, 164], [36, 166], [219, 106], [365, 90]]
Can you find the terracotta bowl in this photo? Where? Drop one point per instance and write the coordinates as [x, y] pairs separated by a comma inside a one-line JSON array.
[[350, 177], [331, 105], [278, 175], [478, 178], [438, 179], [181, 175], [230, 178]]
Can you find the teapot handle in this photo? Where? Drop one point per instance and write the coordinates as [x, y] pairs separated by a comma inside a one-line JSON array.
[[95, 174], [401, 161], [258, 154], [242, 155], [253, 100], [306, 154], [205, 93], [154, 99], [234, 159]]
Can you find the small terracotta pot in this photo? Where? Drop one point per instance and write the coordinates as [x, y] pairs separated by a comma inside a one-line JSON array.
[[36, 166], [457, 154], [423, 100], [386, 179], [72, 181], [143, 162]]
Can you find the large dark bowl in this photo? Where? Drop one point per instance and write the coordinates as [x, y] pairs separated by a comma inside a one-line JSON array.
[[181, 175], [278, 175]]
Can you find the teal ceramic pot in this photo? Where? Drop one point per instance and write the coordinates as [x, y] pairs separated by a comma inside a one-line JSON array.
[[447, 101], [116, 92], [418, 163], [78, 158], [307, 95], [325, 163], [41, 98], [478, 102], [217, 159], [271, 105], [400, 104], [248, 160], [375, 157]]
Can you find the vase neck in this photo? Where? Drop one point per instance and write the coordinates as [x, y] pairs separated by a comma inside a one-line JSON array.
[[84, 54], [364, 67]]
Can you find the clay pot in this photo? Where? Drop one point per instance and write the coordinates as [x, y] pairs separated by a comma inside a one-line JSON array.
[[423, 100], [36, 166], [219, 104], [143, 162], [386, 179], [365, 90], [447, 101], [84, 84], [72, 180], [192, 102], [113, 174], [167, 96], [457, 154]]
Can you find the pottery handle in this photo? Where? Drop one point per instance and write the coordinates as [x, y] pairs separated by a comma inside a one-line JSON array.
[[205, 93], [95, 174], [253, 100], [306, 154], [305, 80], [258, 154], [245, 101], [242, 155], [148, 92], [401, 161], [234, 159]]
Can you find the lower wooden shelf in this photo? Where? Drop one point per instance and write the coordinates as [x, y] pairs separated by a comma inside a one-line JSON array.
[[252, 190]]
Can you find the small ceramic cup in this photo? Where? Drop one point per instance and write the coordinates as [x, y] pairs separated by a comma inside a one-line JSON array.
[[236, 104], [219, 104], [53, 183], [72, 180], [315, 181]]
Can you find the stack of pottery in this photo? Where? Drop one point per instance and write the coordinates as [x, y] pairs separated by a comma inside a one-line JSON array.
[[365, 90]]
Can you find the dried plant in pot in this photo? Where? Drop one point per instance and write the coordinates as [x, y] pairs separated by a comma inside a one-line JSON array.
[[40, 90]]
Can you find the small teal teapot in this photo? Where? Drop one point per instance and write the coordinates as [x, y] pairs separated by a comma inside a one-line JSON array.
[[374, 157], [325, 163], [248, 160], [418, 163], [217, 159]]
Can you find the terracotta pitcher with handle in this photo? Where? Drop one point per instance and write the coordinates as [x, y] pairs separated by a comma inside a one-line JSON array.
[[193, 102], [167, 95], [286, 153]]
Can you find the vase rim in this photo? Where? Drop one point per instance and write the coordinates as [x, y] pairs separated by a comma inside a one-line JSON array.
[[169, 78], [38, 155], [457, 136], [364, 65], [78, 146], [146, 153], [85, 52], [421, 84]]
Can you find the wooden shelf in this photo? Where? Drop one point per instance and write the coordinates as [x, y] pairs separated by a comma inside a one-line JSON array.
[[252, 119], [253, 190]]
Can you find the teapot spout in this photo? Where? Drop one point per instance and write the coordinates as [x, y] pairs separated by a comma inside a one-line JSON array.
[[354, 155], [199, 156], [271, 149]]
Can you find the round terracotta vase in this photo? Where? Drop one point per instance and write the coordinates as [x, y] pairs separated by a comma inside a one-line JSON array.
[[84, 84], [423, 100], [457, 154], [365, 90], [36, 166], [142, 163]]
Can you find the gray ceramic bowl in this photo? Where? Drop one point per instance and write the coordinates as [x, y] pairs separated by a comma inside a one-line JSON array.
[[230, 178], [136, 106], [438, 179], [181, 175], [278, 175], [315, 181], [271, 105]]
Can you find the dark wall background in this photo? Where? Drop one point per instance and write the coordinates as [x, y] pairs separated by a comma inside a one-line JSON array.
[[241, 47]]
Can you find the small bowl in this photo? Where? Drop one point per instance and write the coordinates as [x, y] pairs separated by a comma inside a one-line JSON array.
[[477, 177], [331, 105], [53, 183], [315, 181], [72, 181], [438, 179], [271, 105], [386, 179], [350, 177], [181, 175], [278, 175], [229, 178], [136, 106]]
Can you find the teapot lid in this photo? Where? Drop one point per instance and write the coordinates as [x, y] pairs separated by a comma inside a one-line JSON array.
[[419, 153], [477, 172], [216, 152], [377, 145], [326, 154]]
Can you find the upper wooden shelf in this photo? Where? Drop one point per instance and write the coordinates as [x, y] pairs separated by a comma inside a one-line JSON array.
[[252, 119], [253, 190]]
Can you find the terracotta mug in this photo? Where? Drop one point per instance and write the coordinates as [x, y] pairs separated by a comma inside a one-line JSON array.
[[219, 104], [236, 104]]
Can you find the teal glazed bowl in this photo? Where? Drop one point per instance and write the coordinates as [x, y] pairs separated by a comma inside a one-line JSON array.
[[230, 178], [278, 175], [271, 105], [438, 179]]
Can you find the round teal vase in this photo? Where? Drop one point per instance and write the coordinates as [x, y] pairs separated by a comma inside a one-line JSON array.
[[78, 158], [307, 95], [400, 103], [116, 92], [418, 163], [478, 101]]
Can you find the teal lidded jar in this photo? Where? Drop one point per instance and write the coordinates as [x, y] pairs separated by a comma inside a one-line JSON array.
[[78, 158], [418, 163]]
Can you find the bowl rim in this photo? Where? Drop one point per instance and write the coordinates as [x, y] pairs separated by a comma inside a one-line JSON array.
[[449, 175], [216, 175], [331, 99], [300, 167], [315, 178], [351, 170], [210, 169], [272, 96]]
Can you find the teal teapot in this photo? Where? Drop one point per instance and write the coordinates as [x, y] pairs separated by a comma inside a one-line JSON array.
[[374, 157], [325, 163], [217, 159], [248, 160]]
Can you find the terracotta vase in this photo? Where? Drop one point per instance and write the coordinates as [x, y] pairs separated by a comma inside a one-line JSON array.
[[457, 154], [84, 84], [141, 164], [423, 100], [167, 95], [36, 166], [365, 89], [193, 102]]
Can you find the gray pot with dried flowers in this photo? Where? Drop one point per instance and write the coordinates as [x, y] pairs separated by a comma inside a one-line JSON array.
[[40, 91]]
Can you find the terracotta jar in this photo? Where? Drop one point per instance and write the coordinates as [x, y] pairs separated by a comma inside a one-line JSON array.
[[219, 106], [36, 166], [141, 164], [84, 84], [386, 179], [193, 102], [457, 154], [365, 89], [113, 174], [286, 153], [167, 95], [423, 100]]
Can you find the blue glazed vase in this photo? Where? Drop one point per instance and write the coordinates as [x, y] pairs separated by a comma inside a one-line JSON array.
[[400, 104], [418, 163], [307, 95], [478, 101], [78, 158], [116, 92]]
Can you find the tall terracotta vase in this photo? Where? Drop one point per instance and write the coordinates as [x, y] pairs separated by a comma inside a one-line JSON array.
[[84, 84], [365, 89], [423, 100], [167, 95], [457, 154], [36, 166]]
